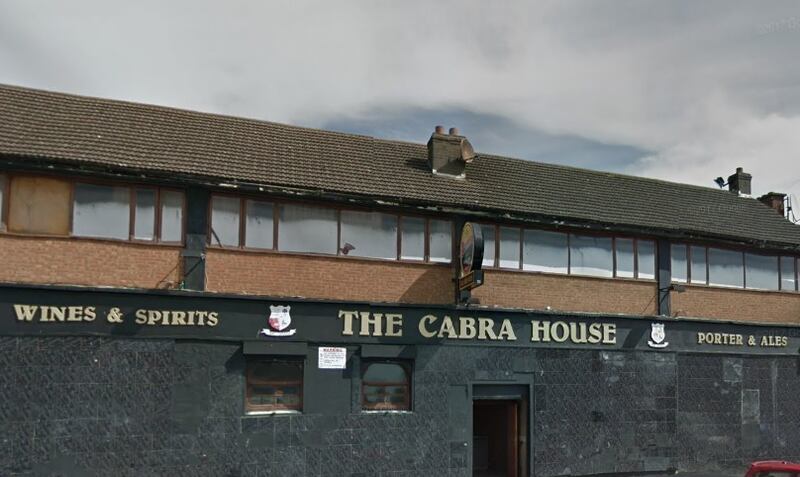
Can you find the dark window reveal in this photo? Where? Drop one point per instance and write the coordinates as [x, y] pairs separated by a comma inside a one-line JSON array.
[[386, 386], [274, 385]]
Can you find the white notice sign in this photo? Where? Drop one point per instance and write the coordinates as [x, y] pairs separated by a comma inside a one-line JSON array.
[[332, 358]]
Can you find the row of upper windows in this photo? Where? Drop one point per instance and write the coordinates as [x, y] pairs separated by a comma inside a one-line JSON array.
[[50, 206], [699, 264], [276, 384], [46, 205]]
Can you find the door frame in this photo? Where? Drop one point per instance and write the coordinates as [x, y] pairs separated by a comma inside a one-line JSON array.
[[514, 392]]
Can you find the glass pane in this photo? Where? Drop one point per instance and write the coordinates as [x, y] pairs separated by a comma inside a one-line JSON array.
[[259, 230], [509, 247], [413, 238], [489, 249], [788, 277], [646, 259], [698, 266], [144, 227], [679, 264], [725, 268], [441, 242], [101, 211], [624, 257], [545, 251], [761, 271], [385, 373], [369, 234], [2, 198], [171, 216], [225, 220], [303, 228], [591, 256]]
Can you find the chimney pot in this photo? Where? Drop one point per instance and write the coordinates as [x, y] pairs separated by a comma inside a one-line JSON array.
[[454, 131], [439, 129], [448, 155], [739, 183]]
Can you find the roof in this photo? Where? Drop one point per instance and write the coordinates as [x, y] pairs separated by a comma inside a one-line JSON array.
[[36, 124]]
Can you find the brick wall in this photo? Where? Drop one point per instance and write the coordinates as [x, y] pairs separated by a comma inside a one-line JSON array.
[[337, 278], [569, 293], [741, 305], [67, 261]]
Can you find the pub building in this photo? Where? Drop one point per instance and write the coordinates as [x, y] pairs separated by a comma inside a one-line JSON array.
[[185, 293]]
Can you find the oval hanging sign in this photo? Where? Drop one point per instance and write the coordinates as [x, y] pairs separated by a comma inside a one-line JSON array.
[[471, 248]]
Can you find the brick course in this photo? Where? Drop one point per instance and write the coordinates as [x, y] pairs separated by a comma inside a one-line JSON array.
[[737, 305], [69, 261]]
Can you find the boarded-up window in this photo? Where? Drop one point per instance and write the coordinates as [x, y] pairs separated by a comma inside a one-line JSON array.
[[3, 188], [386, 386], [39, 205], [274, 385]]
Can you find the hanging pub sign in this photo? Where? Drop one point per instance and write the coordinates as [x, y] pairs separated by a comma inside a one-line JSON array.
[[471, 255]]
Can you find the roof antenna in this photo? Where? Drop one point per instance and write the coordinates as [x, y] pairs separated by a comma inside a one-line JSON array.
[[720, 182]]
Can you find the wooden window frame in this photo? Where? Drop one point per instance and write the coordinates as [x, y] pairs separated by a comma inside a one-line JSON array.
[[270, 408], [4, 196], [387, 407]]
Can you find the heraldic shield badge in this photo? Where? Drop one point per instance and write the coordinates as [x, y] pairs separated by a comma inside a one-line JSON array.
[[657, 336], [279, 320]]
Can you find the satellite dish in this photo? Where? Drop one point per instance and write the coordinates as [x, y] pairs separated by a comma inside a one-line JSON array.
[[467, 152]]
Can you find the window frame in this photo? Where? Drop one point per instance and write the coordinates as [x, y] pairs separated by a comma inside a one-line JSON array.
[[408, 368], [256, 409], [4, 206]]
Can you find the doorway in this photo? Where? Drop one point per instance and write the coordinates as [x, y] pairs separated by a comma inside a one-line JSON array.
[[496, 437]]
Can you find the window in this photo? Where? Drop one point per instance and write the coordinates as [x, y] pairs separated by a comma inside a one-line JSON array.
[[259, 231], [624, 258], [2, 202], [101, 211], [646, 259], [679, 262], [509, 247], [303, 228], [545, 251], [412, 238], [725, 268], [171, 216], [225, 220], [39, 205], [761, 271], [440, 240], [144, 226], [788, 274], [489, 245], [369, 234], [274, 385], [385, 386], [698, 264], [590, 255]]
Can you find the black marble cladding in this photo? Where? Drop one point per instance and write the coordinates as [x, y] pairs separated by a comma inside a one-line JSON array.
[[101, 406]]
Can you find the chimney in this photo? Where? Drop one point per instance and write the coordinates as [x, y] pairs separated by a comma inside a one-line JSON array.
[[449, 154], [739, 183], [774, 200]]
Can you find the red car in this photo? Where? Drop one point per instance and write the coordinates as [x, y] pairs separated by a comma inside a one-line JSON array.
[[773, 468]]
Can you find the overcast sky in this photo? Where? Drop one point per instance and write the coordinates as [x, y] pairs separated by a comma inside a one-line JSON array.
[[679, 90]]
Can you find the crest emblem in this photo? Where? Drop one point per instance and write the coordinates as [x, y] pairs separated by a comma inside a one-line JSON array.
[[657, 336], [279, 320]]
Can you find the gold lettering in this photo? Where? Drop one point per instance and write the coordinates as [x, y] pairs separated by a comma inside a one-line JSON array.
[[764, 341], [609, 334], [560, 331], [595, 333], [423, 330], [74, 313], [213, 318], [447, 328], [153, 316], [190, 318], [25, 312], [201, 316], [347, 321], [179, 318], [374, 321], [467, 328], [89, 313], [739, 340], [578, 332], [141, 317], [485, 329], [540, 331], [506, 331], [394, 324], [57, 312]]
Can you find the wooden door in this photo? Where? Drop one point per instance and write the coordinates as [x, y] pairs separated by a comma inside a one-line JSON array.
[[512, 439]]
